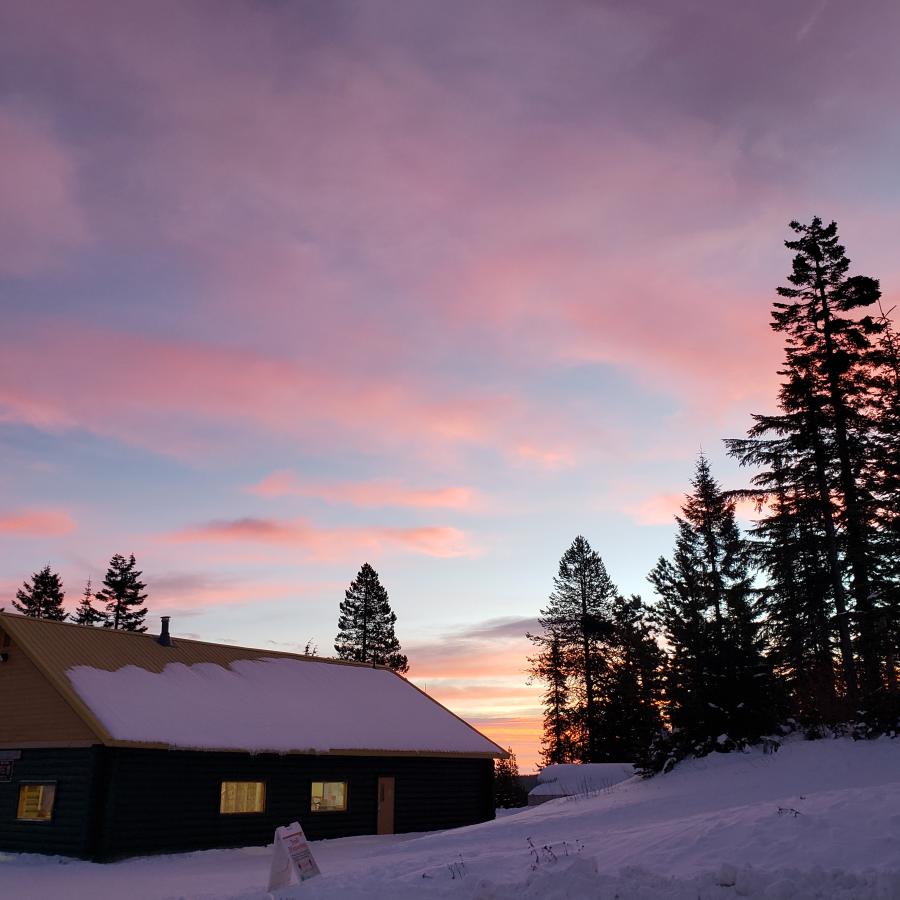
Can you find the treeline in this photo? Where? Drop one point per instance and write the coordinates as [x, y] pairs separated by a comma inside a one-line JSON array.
[[797, 620], [366, 631], [121, 602]]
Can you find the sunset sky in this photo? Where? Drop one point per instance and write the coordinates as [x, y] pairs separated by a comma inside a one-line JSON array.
[[291, 286]]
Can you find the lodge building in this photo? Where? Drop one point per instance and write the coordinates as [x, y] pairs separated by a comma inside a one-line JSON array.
[[116, 744]]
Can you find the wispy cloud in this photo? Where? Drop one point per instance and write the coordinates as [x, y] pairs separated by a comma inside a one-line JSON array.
[[37, 523], [330, 543], [366, 494], [42, 218]]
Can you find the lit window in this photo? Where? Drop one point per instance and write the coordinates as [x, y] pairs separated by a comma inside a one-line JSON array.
[[36, 802], [329, 796], [242, 797]]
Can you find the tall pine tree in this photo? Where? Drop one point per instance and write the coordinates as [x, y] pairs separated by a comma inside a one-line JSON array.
[[578, 616], [123, 594], [824, 459], [633, 685], [718, 687], [85, 613], [366, 624], [42, 598], [829, 346], [549, 665]]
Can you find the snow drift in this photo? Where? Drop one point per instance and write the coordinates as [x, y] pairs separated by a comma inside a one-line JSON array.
[[816, 820]]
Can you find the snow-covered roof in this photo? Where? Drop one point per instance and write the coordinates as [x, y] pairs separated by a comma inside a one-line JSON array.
[[128, 688], [274, 704], [571, 779]]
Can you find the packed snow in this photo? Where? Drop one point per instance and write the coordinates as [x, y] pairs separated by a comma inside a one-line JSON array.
[[574, 780], [815, 820], [278, 705]]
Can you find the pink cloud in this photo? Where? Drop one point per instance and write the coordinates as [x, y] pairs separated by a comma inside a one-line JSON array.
[[152, 393], [191, 593], [366, 493], [661, 509], [331, 543], [548, 459], [37, 523], [42, 218]]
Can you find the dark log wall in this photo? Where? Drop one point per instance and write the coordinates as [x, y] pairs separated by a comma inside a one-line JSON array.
[[113, 802], [69, 832], [169, 800]]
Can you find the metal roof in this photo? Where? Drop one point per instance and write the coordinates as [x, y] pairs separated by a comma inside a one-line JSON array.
[[55, 647]]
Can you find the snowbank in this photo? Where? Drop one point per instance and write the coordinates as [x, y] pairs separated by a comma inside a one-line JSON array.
[[816, 820], [277, 705], [570, 780]]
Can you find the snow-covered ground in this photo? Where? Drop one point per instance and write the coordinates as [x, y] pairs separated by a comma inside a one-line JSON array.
[[816, 820]]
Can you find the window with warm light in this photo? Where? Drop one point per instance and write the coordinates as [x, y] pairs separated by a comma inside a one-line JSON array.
[[329, 796], [242, 797], [36, 802]]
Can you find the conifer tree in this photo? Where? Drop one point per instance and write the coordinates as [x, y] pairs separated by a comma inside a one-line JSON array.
[[885, 476], [789, 545], [123, 595], [579, 616], [41, 598], [718, 686], [633, 686], [549, 665], [366, 624], [508, 790], [86, 613], [829, 348], [823, 459]]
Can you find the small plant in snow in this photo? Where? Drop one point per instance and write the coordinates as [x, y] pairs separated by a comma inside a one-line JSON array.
[[457, 869], [789, 811], [588, 788], [550, 853]]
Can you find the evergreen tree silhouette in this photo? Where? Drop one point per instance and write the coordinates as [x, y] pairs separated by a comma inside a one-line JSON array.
[[550, 666], [578, 616], [717, 682], [123, 595], [41, 598], [86, 613], [366, 624]]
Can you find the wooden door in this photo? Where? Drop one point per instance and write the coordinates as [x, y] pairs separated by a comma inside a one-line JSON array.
[[385, 805]]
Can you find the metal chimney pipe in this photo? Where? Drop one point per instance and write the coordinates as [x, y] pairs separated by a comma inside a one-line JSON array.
[[165, 639]]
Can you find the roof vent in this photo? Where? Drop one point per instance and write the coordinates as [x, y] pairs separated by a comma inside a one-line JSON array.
[[165, 639]]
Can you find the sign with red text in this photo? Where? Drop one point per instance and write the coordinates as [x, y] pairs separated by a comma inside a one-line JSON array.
[[292, 860]]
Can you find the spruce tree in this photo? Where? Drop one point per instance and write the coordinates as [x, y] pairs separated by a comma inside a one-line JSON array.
[[579, 616], [718, 686], [85, 613], [829, 355], [789, 546], [43, 597], [366, 624], [885, 474], [123, 595], [633, 687], [825, 461], [550, 666], [508, 790]]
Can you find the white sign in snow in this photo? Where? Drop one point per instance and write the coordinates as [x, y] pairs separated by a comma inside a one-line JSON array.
[[292, 860]]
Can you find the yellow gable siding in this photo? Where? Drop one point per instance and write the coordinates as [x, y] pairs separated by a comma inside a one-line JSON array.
[[32, 712]]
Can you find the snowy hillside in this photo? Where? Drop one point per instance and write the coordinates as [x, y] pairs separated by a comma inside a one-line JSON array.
[[816, 820]]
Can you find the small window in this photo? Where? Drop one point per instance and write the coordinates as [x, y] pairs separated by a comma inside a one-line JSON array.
[[329, 796], [242, 797], [36, 802]]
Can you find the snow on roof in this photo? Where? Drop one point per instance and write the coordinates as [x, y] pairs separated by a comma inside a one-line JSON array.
[[270, 704], [568, 779]]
